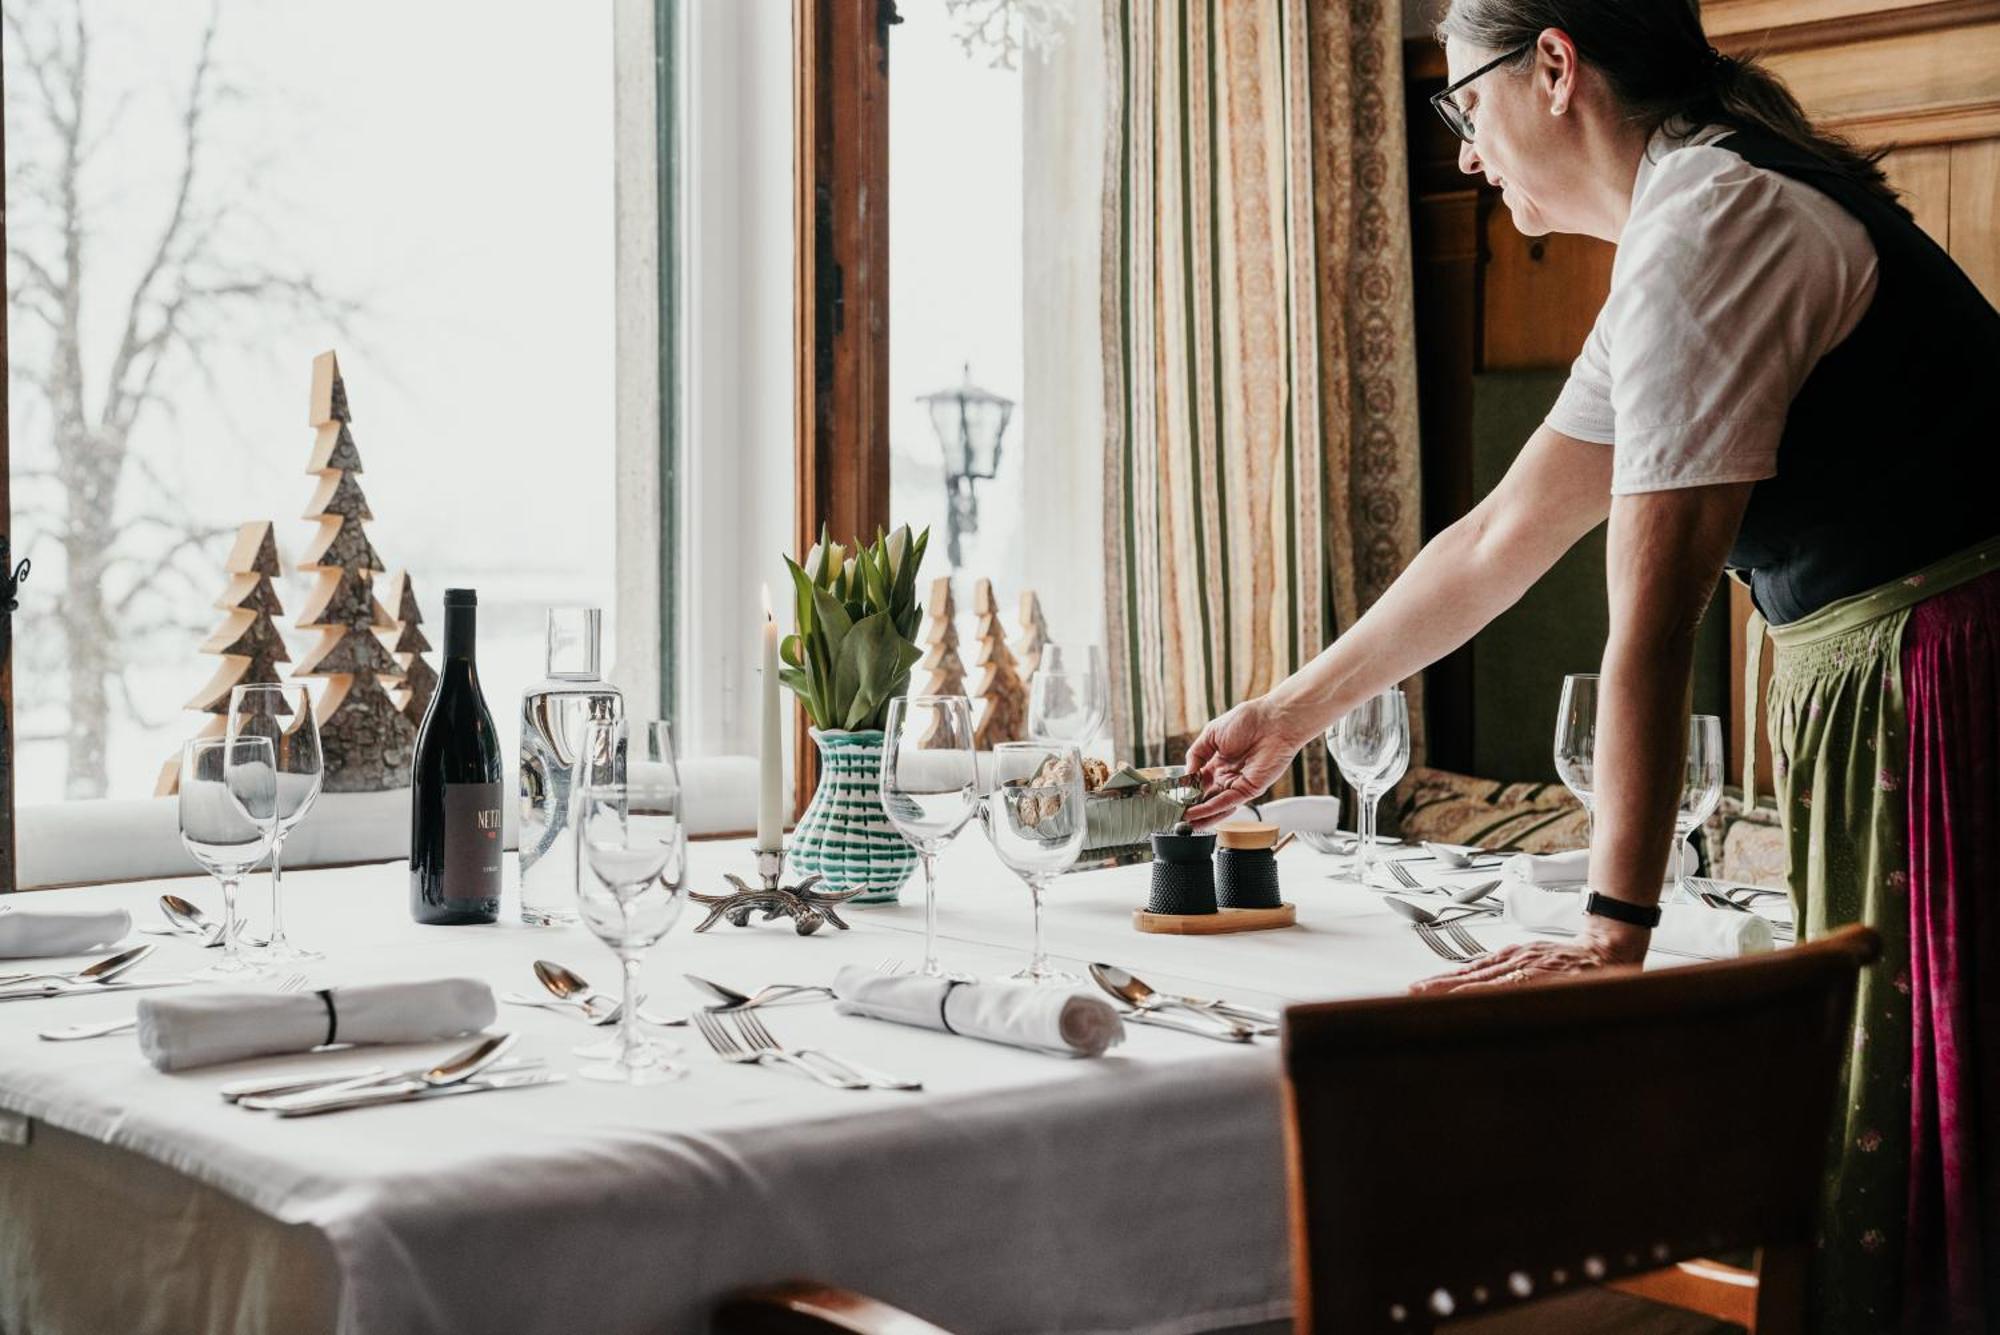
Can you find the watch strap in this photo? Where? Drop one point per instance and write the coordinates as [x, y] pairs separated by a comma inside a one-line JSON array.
[[1620, 910]]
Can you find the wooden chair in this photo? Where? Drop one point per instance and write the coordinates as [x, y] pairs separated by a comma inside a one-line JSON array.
[[1461, 1154], [1456, 1156]]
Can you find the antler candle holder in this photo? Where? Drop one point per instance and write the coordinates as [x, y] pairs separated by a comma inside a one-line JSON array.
[[806, 907]]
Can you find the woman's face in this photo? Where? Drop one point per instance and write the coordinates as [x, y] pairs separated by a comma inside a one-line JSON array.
[[1517, 143]]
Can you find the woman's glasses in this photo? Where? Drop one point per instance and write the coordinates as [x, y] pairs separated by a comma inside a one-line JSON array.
[[1447, 106]]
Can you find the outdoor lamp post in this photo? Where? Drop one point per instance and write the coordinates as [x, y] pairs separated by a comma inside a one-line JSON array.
[[970, 423]]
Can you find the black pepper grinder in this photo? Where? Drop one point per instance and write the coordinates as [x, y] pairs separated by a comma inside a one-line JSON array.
[[1183, 872], [1246, 870]]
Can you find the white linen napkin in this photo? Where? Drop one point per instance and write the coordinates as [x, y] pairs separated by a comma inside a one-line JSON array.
[[33, 933], [203, 1028], [1069, 1024], [1571, 867], [1685, 929]]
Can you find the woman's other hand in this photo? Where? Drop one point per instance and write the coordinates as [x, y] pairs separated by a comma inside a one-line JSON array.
[[1604, 944], [1239, 755]]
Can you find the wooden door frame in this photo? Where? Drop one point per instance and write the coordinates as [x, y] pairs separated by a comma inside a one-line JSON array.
[[840, 264], [10, 574]]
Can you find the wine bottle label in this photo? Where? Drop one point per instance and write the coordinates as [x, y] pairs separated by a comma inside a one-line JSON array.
[[472, 841]]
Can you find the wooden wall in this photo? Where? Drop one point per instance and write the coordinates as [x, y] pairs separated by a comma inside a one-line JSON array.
[[1921, 77]]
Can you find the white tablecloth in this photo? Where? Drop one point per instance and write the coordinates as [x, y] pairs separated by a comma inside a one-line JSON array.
[[1017, 1192]]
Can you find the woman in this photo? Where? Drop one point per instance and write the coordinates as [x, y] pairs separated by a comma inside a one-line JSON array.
[[1787, 379]]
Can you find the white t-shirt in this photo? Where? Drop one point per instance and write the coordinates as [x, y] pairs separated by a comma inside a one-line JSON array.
[[1729, 284]]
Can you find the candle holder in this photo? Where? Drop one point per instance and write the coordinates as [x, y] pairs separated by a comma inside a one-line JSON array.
[[806, 907]]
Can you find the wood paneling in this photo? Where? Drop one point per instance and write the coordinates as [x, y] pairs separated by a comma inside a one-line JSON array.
[[1542, 294], [1765, 27], [1975, 213], [1923, 175], [1912, 88]]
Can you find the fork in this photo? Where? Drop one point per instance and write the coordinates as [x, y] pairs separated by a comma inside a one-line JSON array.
[[1464, 940], [727, 1047], [1428, 934], [761, 1040], [292, 983]]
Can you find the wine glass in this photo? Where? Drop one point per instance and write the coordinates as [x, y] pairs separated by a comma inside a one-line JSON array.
[[228, 818], [633, 893], [1701, 790], [1371, 745], [1035, 819], [930, 786], [1070, 695], [260, 711], [1576, 739]]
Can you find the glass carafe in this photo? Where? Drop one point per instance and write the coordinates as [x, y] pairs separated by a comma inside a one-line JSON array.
[[554, 715]]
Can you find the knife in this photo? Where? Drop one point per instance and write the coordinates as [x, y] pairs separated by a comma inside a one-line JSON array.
[[1165, 1022], [269, 1087], [307, 1104], [89, 989]]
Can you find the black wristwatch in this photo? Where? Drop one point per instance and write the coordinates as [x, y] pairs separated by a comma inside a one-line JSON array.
[[1619, 910]]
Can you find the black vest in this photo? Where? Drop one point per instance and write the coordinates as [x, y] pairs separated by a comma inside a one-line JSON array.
[[1888, 458]]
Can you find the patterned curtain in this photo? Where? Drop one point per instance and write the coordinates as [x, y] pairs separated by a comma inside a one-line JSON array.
[[1261, 464]]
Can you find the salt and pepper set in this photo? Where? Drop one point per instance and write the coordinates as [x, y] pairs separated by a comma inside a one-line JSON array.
[[1232, 868]]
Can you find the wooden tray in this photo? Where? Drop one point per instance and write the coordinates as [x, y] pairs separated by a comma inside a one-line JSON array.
[[1212, 924]]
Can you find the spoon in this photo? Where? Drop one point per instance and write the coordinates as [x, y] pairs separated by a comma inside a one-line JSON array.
[[731, 998], [1418, 914], [568, 985], [1472, 894], [451, 1071], [101, 972], [1140, 996]]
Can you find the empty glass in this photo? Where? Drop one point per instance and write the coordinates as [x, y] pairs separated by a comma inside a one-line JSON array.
[[1069, 696], [930, 786], [1371, 746], [1576, 738], [228, 818], [1035, 819], [284, 715], [1701, 790], [632, 890]]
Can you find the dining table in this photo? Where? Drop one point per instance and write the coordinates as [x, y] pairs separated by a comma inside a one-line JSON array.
[[1016, 1191]]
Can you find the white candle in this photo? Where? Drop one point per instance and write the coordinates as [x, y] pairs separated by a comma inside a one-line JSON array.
[[771, 756]]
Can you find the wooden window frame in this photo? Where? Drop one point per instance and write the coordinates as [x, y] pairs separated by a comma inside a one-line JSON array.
[[840, 261]]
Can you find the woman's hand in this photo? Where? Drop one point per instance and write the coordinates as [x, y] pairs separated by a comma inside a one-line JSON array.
[[1605, 944], [1239, 755]]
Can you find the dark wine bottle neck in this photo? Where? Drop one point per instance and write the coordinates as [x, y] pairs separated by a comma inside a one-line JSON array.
[[461, 625]]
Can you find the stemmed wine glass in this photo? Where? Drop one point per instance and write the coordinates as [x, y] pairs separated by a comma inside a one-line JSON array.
[[1701, 790], [634, 890], [1371, 745], [260, 711], [228, 818], [1576, 739], [930, 786], [1070, 695], [1035, 819]]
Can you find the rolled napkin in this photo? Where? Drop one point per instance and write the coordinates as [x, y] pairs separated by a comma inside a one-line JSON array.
[[1685, 929], [1571, 867], [1069, 1024], [34, 933], [204, 1028]]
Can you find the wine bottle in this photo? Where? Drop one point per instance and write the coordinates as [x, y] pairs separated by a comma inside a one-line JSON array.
[[455, 792]]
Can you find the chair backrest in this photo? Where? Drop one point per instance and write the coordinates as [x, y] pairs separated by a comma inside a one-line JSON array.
[[1457, 1154]]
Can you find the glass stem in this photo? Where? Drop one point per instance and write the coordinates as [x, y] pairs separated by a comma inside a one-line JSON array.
[[931, 966], [231, 927], [1038, 965], [628, 1030], [1364, 851], [277, 903]]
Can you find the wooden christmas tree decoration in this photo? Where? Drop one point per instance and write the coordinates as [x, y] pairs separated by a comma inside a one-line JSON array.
[[1003, 716], [366, 741], [412, 695], [941, 660], [247, 641], [1034, 636]]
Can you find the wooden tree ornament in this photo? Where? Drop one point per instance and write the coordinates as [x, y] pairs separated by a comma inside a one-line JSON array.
[[941, 660], [1034, 635], [247, 640], [1003, 716], [413, 692], [365, 740]]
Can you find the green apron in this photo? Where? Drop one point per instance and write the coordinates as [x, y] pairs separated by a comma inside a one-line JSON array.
[[1839, 747]]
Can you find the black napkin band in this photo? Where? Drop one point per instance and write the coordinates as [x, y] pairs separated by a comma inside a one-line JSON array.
[[332, 1017], [943, 998]]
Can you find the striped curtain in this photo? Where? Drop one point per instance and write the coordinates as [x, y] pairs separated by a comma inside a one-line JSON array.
[[1261, 466]]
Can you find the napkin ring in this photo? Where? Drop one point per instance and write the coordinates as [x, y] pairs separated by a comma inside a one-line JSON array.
[[332, 1016]]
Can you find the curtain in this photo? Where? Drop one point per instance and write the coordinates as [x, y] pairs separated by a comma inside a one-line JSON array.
[[1260, 376]]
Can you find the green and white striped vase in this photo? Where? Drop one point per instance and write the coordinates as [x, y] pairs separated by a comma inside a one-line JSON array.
[[844, 835]]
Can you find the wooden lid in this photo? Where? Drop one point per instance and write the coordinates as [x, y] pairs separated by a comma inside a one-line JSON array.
[[1247, 834]]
